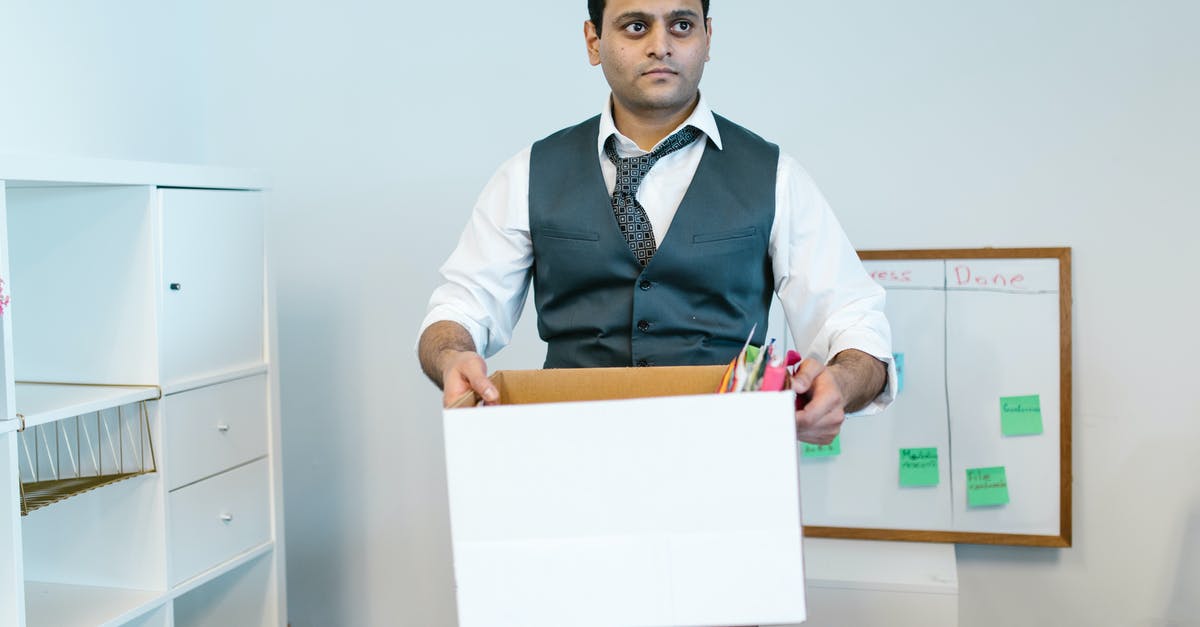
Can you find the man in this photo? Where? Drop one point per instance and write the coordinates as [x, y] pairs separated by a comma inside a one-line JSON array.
[[655, 234]]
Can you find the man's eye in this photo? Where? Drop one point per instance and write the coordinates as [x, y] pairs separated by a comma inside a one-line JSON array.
[[683, 27], [636, 27]]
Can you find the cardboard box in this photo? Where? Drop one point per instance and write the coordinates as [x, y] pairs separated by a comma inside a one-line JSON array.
[[625, 496]]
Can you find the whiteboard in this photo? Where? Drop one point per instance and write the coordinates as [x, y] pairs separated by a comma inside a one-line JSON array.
[[983, 340]]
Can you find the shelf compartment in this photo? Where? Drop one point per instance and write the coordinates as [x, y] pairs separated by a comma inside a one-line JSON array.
[[81, 453], [54, 604], [83, 281], [242, 594]]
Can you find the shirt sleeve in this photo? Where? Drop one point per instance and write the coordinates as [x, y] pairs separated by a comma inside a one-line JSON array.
[[487, 275], [830, 301]]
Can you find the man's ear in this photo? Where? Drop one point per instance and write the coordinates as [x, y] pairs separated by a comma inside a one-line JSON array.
[[593, 42]]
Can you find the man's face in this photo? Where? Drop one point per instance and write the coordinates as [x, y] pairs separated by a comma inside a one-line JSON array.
[[652, 52]]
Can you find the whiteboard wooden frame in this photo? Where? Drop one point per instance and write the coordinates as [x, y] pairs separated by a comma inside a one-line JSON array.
[[1063, 539]]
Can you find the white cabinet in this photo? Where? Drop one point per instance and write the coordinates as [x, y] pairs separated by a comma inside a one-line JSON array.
[[217, 519], [137, 339], [214, 428], [212, 272]]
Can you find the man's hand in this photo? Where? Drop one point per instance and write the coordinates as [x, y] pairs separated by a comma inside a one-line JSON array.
[[462, 372], [448, 357], [852, 380], [824, 407]]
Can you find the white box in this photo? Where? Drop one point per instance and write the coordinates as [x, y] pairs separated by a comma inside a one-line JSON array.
[[654, 511]]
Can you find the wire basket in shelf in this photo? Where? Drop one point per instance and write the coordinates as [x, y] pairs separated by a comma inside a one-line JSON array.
[[75, 455]]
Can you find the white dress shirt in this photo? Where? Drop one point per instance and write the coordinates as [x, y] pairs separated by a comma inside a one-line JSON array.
[[830, 302]]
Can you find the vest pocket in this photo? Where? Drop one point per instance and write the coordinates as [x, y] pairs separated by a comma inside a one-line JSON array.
[[707, 238], [585, 236]]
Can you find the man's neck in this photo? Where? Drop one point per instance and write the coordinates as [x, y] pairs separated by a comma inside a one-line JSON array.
[[647, 128]]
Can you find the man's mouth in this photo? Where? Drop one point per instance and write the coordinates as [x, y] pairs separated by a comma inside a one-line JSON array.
[[659, 71]]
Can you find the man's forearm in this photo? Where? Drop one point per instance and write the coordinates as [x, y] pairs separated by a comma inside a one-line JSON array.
[[860, 376], [438, 338]]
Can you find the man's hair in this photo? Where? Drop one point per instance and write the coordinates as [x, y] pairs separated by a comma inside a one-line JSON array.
[[596, 12]]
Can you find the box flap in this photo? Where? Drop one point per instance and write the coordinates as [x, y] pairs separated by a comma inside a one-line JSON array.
[[519, 387]]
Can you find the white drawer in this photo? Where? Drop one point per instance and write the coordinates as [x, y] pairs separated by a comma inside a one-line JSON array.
[[208, 430], [218, 518], [212, 283]]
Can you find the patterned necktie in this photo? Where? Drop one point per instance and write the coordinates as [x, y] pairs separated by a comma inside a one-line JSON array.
[[630, 214]]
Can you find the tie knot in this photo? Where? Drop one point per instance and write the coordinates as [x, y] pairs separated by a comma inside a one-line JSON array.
[[641, 164]]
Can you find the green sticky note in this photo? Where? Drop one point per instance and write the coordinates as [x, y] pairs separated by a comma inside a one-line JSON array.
[[832, 449], [1021, 415], [918, 467], [899, 359], [986, 487]]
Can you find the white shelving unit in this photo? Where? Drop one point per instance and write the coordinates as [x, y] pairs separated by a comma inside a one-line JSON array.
[[138, 289], [46, 403]]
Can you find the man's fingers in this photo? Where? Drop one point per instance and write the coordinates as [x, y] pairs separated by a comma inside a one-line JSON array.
[[824, 438], [454, 386], [826, 397], [821, 419], [483, 386], [818, 429], [809, 370], [816, 422], [451, 394], [467, 372]]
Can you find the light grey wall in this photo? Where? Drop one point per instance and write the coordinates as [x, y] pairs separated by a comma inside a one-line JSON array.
[[928, 124], [122, 79]]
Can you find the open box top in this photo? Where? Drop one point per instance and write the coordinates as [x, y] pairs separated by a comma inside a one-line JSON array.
[[522, 387]]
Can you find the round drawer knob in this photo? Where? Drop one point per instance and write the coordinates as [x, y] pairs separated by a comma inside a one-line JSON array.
[[227, 518]]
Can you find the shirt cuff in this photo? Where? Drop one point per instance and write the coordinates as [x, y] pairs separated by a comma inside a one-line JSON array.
[[878, 348]]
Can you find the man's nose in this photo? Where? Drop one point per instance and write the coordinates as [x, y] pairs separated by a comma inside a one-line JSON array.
[[659, 43]]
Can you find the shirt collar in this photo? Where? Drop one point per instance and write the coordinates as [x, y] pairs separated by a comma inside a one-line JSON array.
[[701, 118]]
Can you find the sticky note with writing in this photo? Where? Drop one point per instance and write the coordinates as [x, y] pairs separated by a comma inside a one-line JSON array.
[[899, 359], [1021, 415], [918, 467], [832, 449], [986, 486]]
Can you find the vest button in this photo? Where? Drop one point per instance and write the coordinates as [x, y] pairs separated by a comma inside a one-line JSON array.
[[643, 326], [642, 363], [645, 285]]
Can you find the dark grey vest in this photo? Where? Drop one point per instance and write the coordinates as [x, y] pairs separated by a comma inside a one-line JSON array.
[[709, 282]]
